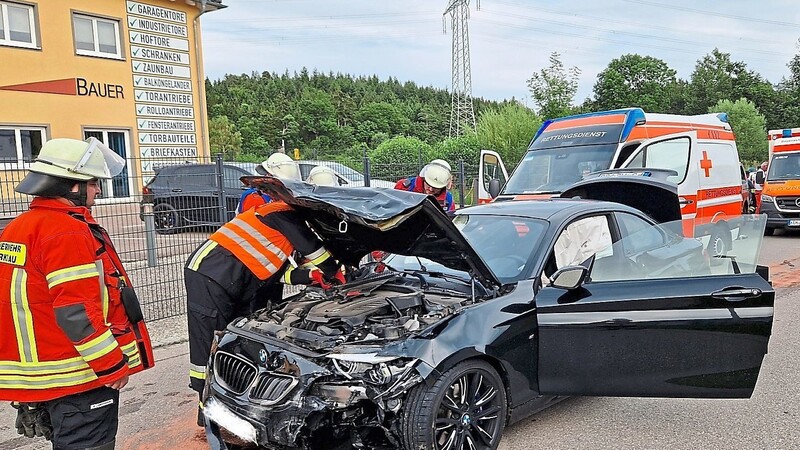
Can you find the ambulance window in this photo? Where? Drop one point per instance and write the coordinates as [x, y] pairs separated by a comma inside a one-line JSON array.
[[670, 154], [625, 153]]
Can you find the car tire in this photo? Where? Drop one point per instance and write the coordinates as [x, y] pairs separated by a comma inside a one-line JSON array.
[[769, 231], [167, 219], [718, 245], [461, 421]]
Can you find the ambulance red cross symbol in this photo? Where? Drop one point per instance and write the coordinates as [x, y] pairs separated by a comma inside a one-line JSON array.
[[705, 163]]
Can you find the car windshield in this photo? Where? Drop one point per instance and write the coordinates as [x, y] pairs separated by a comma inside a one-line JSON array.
[[552, 170], [504, 243], [784, 167]]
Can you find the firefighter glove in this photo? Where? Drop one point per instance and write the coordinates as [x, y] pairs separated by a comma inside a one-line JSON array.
[[318, 278], [33, 420]]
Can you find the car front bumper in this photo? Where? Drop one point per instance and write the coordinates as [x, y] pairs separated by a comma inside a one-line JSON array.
[[780, 218]]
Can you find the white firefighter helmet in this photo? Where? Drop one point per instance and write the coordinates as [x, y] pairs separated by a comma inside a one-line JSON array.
[[63, 162], [322, 176], [436, 175], [440, 162], [280, 165]]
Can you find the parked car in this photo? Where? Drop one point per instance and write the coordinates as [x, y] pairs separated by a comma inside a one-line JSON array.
[[187, 195], [479, 321], [347, 176]]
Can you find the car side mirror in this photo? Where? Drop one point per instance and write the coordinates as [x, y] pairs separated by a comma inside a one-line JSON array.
[[494, 187], [570, 277]]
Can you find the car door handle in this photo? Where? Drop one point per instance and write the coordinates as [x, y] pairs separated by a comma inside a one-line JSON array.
[[177, 190], [736, 294]]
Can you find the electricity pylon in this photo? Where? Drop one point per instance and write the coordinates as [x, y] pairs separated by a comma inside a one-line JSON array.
[[462, 116]]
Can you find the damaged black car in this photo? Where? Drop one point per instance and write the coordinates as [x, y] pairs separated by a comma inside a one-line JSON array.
[[478, 320]]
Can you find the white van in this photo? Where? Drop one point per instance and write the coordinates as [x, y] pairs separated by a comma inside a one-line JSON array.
[[700, 149]]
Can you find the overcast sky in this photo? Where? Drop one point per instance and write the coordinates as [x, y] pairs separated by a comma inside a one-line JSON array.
[[509, 39]]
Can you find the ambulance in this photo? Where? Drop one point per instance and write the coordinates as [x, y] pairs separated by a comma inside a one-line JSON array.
[[780, 196], [700, 149]]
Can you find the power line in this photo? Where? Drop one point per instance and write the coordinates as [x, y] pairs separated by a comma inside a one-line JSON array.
[[716, 13], [648, 25]]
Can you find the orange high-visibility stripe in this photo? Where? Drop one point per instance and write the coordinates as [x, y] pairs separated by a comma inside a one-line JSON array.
[[611, 119], [260, 248]]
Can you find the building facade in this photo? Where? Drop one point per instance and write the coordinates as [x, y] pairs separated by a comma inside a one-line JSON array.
[[129, 73]]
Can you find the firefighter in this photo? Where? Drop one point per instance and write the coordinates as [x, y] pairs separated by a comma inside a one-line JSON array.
[[279, 165], [242, 257], [322, 176], [433, 180], [72, 330]]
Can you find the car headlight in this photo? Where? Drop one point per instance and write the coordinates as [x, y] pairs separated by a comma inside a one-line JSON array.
[[767, 199], [374, 369]]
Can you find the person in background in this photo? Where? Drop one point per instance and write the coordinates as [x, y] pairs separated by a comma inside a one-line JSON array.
[[761, 174], [434, 181], [278, 165], [71, 328]]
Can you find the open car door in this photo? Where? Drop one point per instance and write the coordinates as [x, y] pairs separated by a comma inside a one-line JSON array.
[[654, 318], [491, 167]]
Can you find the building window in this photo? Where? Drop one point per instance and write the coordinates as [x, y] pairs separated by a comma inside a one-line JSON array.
[[17, 25], [120, 185], [20, 145], [96, 37]]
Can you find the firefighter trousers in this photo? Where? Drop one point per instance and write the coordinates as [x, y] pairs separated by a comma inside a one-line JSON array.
[[86, 421], [209, 308]]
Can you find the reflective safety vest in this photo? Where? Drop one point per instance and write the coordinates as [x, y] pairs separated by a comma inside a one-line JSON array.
[[63, 327], [260, 248]]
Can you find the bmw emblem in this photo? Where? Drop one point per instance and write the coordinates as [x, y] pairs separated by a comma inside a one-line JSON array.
[[262, 356]]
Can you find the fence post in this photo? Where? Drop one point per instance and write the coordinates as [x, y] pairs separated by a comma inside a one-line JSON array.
[[223, 207], [419, 152], [461, 182], [149, 233], [366, 169]]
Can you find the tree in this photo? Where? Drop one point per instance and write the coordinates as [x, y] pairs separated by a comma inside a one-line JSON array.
[[793, 82], [508, 131], [634, 80], [399, 157], [224, 138], [553, 88], [465, 147], [716, 77], [748, 125]]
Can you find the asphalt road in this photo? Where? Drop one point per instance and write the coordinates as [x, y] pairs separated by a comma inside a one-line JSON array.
[[158, 410]]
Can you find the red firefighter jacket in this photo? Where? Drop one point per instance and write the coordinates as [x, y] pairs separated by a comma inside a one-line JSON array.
[[63, 328]]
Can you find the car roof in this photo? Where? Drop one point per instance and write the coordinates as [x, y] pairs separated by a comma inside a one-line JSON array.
[[546, 209]]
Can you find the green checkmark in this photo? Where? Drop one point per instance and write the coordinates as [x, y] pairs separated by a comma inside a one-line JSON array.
[[134, 37], [142, 138], [136, 66], [139, 95], [135, 52], [141, 124], [130, 8], [140, 110], [133, 23], [137, 81]]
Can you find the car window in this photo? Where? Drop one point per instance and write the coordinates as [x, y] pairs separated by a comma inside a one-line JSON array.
[[305, 169], [230, 177], [581, 239], [668, 254], [670, 154], [648, 236]]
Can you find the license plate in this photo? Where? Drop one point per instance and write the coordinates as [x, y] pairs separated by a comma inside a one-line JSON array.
[[794, 223], [220, 414]]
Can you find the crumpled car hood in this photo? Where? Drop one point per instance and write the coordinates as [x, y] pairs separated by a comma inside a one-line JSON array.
[[354, 221]]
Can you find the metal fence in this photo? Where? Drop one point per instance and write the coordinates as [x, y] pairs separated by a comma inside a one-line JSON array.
[[157, 220]]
